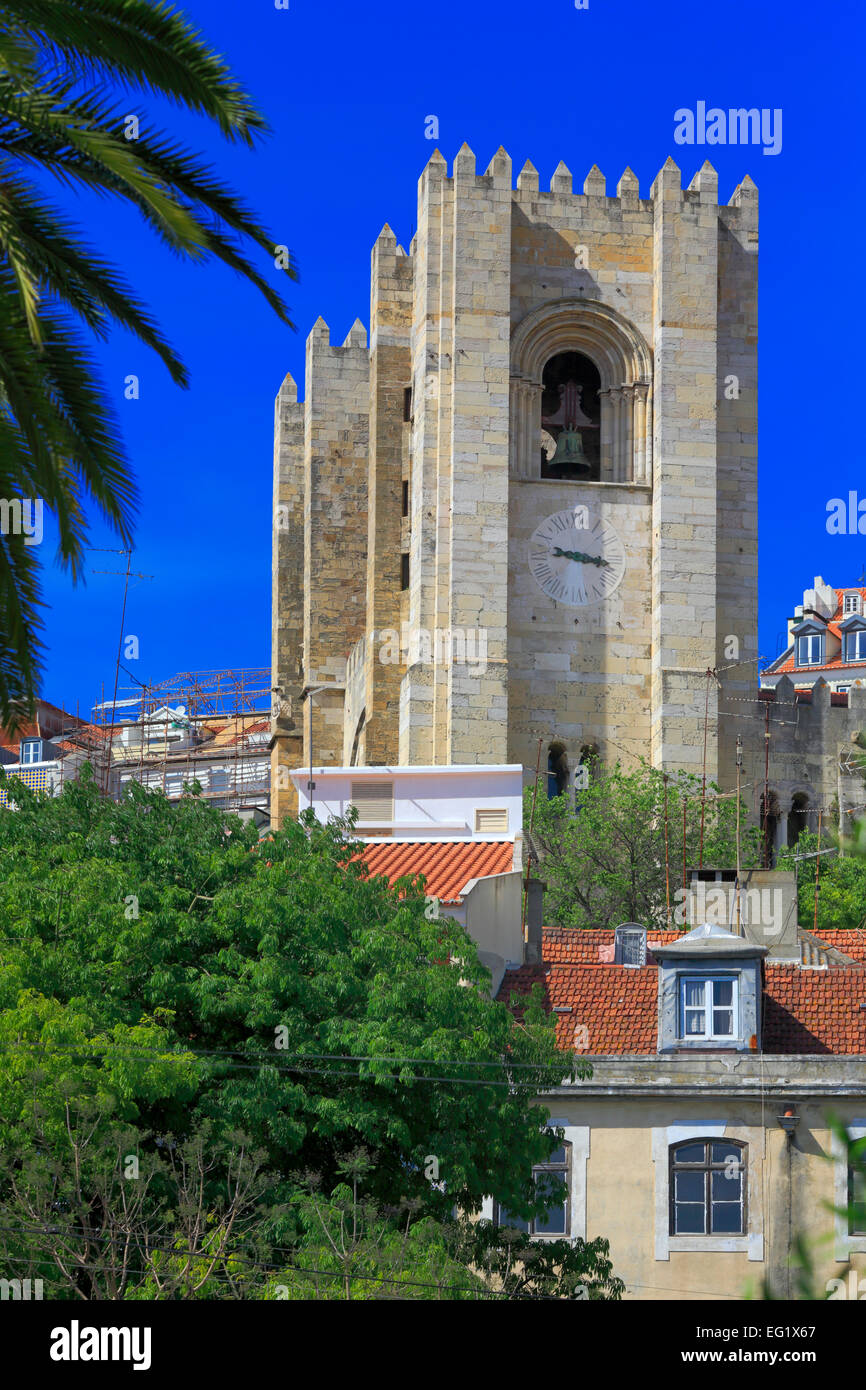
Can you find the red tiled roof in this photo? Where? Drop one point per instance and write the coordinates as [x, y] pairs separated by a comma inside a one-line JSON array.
[[614, 1003], [447, 865], [805, 1010], [589, 945], [835, 662], [849, 942], [814, 1010]]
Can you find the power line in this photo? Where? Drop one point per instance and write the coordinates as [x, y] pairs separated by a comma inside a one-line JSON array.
[[78, 1233], [329, 1072], [98, 1048]]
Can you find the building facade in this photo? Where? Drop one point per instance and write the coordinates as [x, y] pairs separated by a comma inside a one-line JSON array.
[[702, 1146], [524, 513], [814, 705]]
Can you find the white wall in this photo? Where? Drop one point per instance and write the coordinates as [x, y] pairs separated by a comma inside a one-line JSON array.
[[429, 802]]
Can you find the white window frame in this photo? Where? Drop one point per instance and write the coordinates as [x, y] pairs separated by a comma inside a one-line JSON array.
[[851, 604], [845, 1244], [626, 932], [709, 1006], [857, 638], [578, 1137], [27, 746], [811, 637], [664, 1137], [549, 1167]]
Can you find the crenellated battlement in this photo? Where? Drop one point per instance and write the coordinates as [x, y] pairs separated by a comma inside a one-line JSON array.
[[667, 183], [319, 339]]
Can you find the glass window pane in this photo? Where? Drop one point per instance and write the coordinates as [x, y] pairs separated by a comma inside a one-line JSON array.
[[695, 1023], [689, 1219], [723, 993], [857, 1201], [517, 1223], [693, 993], [727, 1189], [689, 1187], [726, 1218], [554, 1222], [723, 1023], [722, 1152], [558, 1155], [690, 1153]]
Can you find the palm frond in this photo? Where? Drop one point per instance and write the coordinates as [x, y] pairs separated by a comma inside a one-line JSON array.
[[139, 45], [59, 437]]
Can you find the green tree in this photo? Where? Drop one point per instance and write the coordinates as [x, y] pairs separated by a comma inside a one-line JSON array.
[[164, 972], [351, 1248], [841, 879], [604, 860], [59, 438]]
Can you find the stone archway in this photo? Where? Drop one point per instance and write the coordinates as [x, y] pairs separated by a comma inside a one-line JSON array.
[[624, 364]]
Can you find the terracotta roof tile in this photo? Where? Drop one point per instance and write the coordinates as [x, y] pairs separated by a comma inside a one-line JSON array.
[[447, 865], [850, 942], [612, 1009], [814, 1010], [590, 945]]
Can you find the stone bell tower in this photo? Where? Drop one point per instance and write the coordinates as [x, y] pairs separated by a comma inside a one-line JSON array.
[[528, 509]]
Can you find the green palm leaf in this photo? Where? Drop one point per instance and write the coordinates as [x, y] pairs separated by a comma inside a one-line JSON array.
[[59, 438]]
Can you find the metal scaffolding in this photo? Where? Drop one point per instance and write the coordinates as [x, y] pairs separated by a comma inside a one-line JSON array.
[[220, 711]]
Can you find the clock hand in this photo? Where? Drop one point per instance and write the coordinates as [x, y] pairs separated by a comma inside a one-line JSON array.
[[579, 556]]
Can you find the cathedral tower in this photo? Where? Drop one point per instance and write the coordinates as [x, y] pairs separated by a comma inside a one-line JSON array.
[[528, 510]]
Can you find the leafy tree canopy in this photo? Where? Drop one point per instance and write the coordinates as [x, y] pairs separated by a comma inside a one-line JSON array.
[[840, 875], [604, 859], [174, 992]]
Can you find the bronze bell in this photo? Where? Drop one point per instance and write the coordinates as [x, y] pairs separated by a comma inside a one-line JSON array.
[[569, 458]]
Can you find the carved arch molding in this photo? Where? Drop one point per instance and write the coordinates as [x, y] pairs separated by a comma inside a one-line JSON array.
[[624, 363]]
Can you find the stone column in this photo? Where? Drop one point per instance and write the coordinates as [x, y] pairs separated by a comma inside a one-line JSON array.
[[524, 426], [616, 403], [606, 471], [641, 391], [627, 460]]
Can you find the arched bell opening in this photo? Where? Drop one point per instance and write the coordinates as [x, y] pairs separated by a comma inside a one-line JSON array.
[[798, 819], [557, 769], [571, 418], [770, 829], [599, 351]]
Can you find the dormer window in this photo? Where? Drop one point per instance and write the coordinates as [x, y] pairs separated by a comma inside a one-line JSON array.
[[855, 645], [31, 751], [810, 649], [708, 1006], [851, 604], [630, 945], [709, 992]]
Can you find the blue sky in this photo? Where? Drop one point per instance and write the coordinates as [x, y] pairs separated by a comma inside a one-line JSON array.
[[346, 89]]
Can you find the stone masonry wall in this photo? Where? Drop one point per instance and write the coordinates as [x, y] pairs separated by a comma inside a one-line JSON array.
[[336, 425], [287, 598]]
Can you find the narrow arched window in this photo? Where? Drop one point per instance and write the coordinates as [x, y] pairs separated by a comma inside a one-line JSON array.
[[571, 418], [708, 1188], [557, 770]]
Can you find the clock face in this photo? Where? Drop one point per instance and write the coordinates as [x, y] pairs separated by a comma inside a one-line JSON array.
[[576, 558]]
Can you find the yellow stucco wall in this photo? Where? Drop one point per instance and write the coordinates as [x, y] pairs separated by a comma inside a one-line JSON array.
[[790, 1190]]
